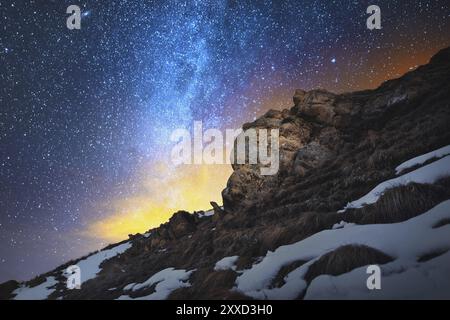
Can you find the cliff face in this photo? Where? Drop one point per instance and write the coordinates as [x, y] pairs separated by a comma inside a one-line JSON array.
[[334, 148]]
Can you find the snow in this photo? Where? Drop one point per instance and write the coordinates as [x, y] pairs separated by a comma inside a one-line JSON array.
[[426, 174], [147, 234], [129, 286], [439, 153], [342, 224], [39, 292], [404, 241], [166, 281], [90, 266], [226, 263], [427, 280], [208, 213]]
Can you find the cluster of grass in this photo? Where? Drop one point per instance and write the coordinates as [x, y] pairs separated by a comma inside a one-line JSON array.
[[402, 203], [344, 259]]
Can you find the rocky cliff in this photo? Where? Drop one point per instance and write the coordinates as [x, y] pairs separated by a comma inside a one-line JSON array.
[[263, 243]]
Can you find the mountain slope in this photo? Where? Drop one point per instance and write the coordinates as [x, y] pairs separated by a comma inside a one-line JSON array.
[[357, 185]]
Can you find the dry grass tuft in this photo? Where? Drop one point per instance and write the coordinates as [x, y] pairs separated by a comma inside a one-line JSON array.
[[344, 259], [402, 203]]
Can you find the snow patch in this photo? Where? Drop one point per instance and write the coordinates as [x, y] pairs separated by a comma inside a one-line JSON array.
[[227, 263], [426, 174], [166, 281], [439, 153], [342, 224], [404, 241], [427, 280], [208, 213], [129, 286], [90, 266], [39, 292]]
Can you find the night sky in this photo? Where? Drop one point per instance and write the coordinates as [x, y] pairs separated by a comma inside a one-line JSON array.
[[86, 115]]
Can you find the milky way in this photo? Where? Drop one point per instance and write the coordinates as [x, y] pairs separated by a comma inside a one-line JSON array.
[[86, 115]]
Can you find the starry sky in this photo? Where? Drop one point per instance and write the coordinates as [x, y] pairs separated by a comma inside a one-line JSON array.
[[86, 115]]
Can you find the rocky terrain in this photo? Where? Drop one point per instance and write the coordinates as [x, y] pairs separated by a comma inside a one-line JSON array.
[[303, 233]]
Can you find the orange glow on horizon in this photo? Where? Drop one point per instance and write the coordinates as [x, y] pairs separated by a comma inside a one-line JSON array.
[[187, 187]]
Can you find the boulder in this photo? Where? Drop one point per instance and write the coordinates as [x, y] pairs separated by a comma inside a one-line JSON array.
[[181, 224]]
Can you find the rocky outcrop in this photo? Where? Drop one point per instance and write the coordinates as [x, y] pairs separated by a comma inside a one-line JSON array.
[[246, 180], [181, 224], [308, 136], [323, 128]]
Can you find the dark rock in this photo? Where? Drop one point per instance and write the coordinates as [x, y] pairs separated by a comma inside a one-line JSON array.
[[181, 224], [6, 289]]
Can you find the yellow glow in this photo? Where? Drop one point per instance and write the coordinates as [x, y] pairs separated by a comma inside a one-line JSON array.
[[187, 187]]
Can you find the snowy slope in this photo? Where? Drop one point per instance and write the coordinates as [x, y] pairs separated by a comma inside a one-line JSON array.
[[426, 174], [226, 263], [439, 153], [405, 241], [166, 281], [426, 280], [91, 265], [39, 292]]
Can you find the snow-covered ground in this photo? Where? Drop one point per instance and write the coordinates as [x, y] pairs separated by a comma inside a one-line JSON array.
[[166, 281], [226, 263], [439, 153], [427, 280], [429, 173], [404, 241], [89, 268], [91, 265], [39, 292]]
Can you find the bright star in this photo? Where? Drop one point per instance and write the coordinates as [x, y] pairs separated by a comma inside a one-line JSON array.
[[86, 13]]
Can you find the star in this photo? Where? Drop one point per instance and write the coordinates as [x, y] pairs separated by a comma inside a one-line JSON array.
[[86, 13]]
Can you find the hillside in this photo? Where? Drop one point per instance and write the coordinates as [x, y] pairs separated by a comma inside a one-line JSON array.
[[364, 179]]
